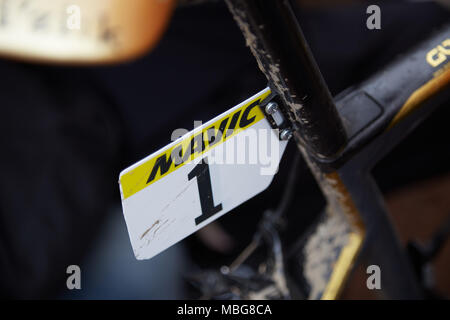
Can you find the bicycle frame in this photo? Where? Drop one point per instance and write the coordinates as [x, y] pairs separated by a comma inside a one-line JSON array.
[[343, 138]]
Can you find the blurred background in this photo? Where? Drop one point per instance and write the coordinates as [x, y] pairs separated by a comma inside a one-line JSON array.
[[67, 132]]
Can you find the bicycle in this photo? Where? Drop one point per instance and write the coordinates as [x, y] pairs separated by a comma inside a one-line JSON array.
[[340, 138]]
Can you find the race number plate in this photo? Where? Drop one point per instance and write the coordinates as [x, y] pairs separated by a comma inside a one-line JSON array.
[[196, 179]]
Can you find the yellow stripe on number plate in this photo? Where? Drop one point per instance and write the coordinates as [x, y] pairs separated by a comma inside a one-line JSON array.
[[192, 145]]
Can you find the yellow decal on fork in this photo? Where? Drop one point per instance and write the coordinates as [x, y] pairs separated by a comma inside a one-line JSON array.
[[350, 251], [343, 266]]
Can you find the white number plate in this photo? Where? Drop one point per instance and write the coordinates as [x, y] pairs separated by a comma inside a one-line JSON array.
[[199, 177]]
